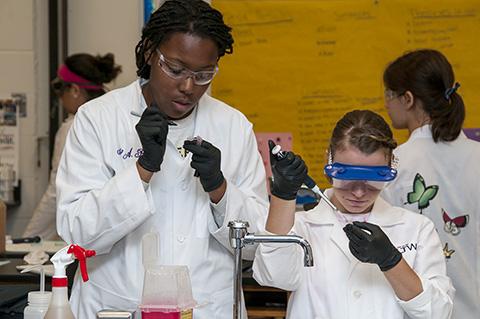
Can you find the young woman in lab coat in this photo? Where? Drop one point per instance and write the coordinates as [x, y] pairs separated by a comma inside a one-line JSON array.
[[438, 167], [79, 79], [371, 260], [126, 172]]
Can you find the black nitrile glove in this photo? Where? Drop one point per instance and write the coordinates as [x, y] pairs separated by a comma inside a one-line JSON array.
[[152, 130], [206, 160], [373, 248], [289, 173]]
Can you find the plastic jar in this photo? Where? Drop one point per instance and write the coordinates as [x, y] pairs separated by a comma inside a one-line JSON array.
[[37, 304]]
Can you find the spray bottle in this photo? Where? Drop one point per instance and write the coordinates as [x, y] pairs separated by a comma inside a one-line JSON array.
[[59, 307]]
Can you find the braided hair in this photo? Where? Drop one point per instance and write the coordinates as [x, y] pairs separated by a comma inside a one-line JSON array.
[[364, 129], [187, 16]]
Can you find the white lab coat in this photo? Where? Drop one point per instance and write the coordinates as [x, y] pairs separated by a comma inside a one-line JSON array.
[[454, 167], [103, 205], [339, 286], [42, 222]]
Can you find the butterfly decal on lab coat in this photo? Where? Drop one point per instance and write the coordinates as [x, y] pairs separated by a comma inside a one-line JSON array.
[[447, 252], [453, 225], [421, 193]]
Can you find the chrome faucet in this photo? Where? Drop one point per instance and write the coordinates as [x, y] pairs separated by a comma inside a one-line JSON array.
[[239, 237]]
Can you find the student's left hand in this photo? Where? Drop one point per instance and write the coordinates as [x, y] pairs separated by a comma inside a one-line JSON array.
[[206, 161], [368, 243]]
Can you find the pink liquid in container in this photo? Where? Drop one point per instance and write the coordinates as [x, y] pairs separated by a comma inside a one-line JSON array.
[[167, 293], [165, 314]]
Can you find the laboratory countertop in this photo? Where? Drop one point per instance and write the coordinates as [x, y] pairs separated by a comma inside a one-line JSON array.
[[50, 247], [10, 274]]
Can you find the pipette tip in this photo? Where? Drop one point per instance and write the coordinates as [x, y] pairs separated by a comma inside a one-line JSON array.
[[171, 123]]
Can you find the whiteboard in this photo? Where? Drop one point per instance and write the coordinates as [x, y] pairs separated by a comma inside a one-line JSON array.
[[298, 66]]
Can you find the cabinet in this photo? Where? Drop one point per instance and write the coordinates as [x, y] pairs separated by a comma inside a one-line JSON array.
[[263, 302]]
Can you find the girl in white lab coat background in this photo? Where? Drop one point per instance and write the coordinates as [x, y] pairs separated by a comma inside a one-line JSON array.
[[79, 79], [371, 260], [438, 167]]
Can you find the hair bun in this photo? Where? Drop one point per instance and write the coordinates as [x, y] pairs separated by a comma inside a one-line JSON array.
[[107, 67]]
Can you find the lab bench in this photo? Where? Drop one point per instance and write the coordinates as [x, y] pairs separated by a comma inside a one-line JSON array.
[[9, 275], [262, 302], [14, 287]]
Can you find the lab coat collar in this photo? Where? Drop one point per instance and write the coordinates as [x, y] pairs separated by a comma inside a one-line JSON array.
[[424, 131], [323, 215], [202, 115], [382, 213], [138, 104]]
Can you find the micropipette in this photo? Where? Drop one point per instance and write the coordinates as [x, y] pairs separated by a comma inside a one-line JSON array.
[[309, 182], [140, 115]]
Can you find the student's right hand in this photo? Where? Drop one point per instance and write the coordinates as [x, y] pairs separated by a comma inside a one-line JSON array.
[[152, 130], [289, 173]]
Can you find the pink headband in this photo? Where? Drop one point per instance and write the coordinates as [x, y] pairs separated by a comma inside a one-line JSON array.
[[66, 75]]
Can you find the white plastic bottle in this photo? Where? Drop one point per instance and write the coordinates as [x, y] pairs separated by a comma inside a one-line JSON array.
[[38, 301], [37, 304]]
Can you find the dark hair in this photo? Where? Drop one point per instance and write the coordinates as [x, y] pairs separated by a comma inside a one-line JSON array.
[[364, 129], [186, 16], [96, 69], [428, 75]]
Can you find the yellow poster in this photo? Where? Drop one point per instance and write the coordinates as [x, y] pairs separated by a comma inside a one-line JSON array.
[[298, 66]]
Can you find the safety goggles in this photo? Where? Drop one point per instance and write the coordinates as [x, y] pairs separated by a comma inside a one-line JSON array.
[[178, 72], [345, 176], [389, 95]]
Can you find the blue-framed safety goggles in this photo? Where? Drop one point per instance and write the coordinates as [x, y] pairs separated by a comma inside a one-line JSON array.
[[344, 175]]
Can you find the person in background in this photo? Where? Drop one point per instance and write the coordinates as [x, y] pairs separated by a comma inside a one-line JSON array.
[[439, 174], [131, 167], [80, 79], [371, 260]]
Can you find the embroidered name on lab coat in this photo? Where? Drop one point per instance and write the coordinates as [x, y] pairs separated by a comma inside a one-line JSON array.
[[126, 154], [407, 247]]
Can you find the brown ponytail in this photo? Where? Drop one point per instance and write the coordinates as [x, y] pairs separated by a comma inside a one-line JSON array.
[[429, 76]]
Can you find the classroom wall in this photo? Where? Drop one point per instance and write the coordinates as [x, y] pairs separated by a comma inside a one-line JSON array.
[[24, 69], [98, 27], [95, 27]]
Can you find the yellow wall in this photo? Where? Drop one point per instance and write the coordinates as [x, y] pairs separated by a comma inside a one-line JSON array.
[[300, 65]]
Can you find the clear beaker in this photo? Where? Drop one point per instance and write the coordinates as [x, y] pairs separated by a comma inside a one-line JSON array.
[[167, 293]]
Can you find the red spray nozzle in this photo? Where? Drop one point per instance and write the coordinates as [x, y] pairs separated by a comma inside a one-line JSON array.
[[81, 254]]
